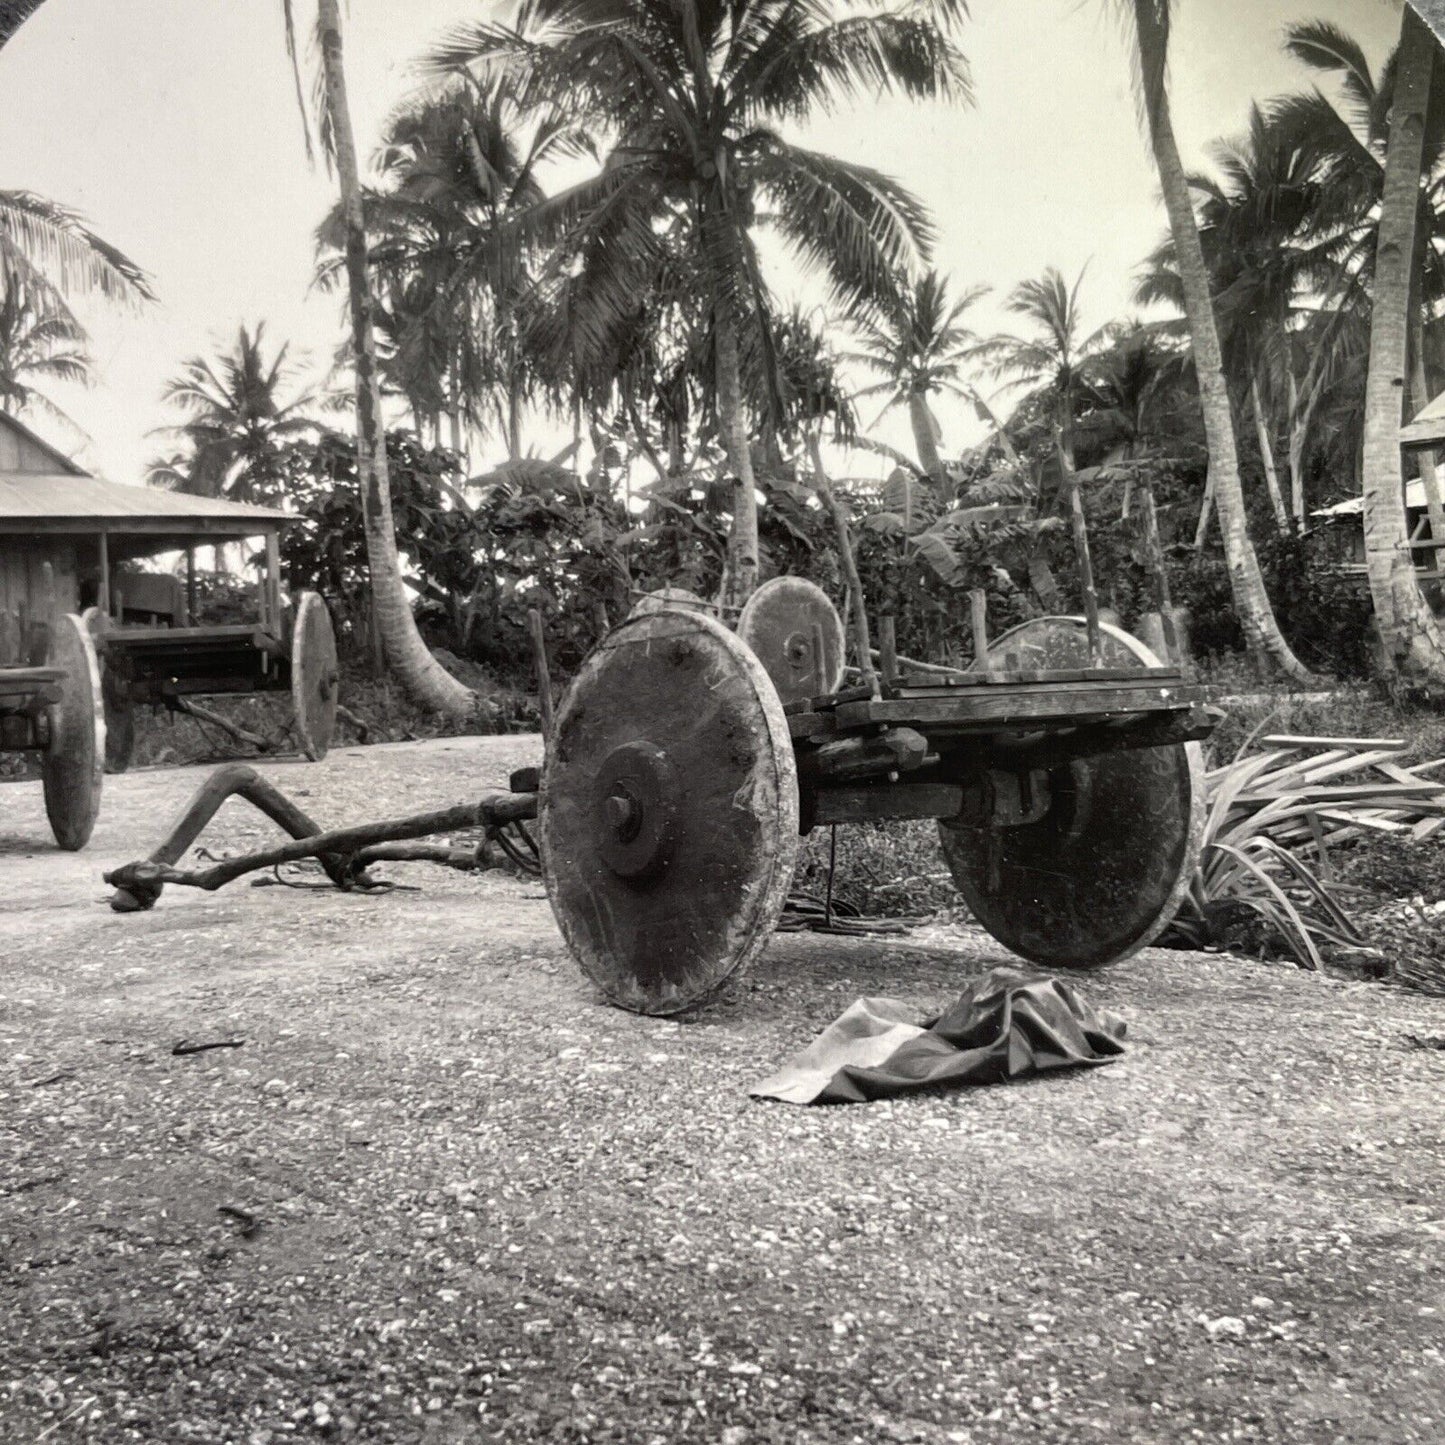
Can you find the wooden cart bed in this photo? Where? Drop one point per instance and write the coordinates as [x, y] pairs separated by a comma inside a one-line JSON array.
[[986, 703]]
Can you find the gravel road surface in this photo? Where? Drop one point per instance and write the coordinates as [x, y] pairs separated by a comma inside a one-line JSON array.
[[441, 1193]]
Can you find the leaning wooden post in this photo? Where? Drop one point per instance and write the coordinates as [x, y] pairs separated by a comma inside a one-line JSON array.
[[271, 584], [888, 648], [978, 621], [104, 598], [1154, 551], [858, 606], [544, 675], [190, 586], [38, 642], [1081, 551]]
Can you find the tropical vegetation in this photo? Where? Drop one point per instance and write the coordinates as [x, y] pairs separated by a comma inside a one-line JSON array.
[[560, 236]]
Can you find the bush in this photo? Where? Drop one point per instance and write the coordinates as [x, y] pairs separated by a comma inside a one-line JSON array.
[[1324, 612]]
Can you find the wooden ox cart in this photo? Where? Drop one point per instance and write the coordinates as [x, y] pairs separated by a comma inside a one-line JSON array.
[[686, 759], [85, 637]]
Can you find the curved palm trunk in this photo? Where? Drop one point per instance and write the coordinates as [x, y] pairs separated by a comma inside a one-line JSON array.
[[742, 568], [1266, 452], [925, 434], [420, 673], [1262, 635], [1408, 629]]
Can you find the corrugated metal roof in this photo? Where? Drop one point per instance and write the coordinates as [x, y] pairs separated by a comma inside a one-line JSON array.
[[35, 500]]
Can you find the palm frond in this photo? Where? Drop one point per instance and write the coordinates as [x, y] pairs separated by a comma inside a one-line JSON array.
[[59, 244]]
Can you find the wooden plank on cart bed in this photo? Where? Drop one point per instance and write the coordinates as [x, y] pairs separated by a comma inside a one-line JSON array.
[[1022, 703], [188, 636], [916, 683]]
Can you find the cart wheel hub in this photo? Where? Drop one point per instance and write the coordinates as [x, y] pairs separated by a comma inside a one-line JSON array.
[[623, 815], [637, 788], [799, 651]]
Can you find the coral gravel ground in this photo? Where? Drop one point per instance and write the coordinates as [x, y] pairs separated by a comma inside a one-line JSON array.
[[441, 1193]]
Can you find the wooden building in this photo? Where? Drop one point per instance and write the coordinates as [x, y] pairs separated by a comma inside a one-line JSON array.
[[1426, 432], [86, 529]]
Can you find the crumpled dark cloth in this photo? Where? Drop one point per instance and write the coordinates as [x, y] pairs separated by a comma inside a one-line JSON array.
[[1005, 1025]]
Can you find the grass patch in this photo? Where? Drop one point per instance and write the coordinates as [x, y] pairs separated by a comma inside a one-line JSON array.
[[883, 869]]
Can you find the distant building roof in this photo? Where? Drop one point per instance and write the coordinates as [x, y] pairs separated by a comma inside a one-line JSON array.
[[1427, 427], [22, 451], [39, 503], [43, 491], [1414, 497]]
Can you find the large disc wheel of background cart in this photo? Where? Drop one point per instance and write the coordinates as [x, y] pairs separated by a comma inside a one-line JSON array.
[[797, 635], [119, 710], [73, 763], [315, 676], [669, 811], [1105, 869]]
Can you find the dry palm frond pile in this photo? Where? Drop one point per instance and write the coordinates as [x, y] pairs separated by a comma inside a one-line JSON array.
[[1282, 817]]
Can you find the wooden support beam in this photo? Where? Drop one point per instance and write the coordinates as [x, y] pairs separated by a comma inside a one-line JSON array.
[[896, 800], [271, 586], [103, 601]]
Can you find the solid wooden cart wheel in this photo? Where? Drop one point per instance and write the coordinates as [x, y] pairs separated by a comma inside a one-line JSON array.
[[669, 811], [72, 765], [1105, 869], [798, 637], [315, 676], [674, 597]]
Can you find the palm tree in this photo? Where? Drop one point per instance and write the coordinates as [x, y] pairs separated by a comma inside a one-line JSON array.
[[13, 14], [1256, 616], [1410, 633], [455, 169], [917, 341], [1051, 355], [1260, 218], [1132, 404], [420, 673], [237, 425], [48, 255], [40, 341], [42, 241], [690, 96], [1352, 142]]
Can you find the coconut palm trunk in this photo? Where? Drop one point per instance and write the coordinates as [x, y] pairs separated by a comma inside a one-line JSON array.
[[1262, 635], [1411, 636], [423, 677], [925, 434], [742, 566]]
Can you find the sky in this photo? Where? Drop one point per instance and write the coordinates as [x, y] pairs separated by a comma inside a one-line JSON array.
[[172, 125]]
